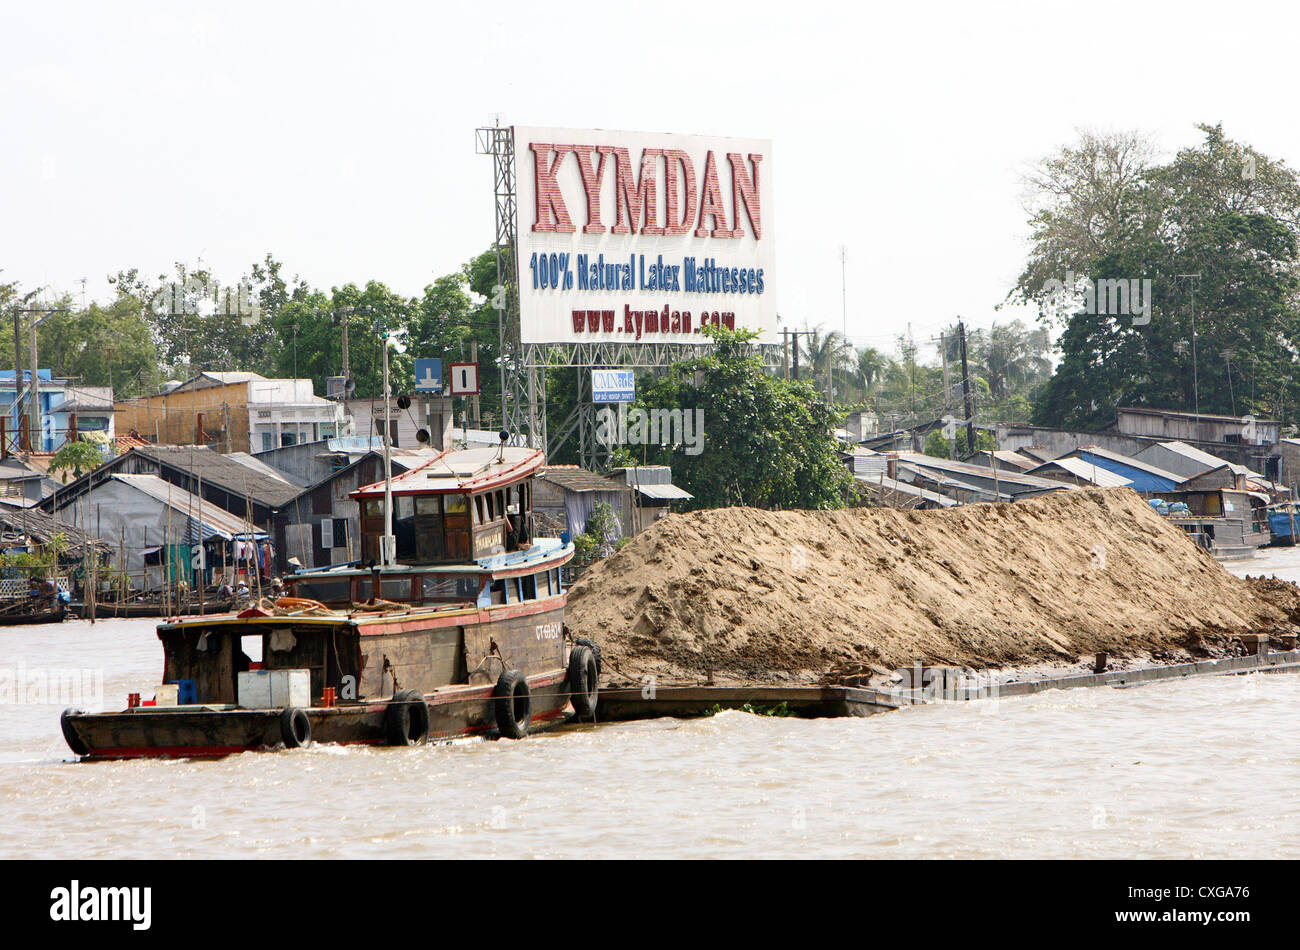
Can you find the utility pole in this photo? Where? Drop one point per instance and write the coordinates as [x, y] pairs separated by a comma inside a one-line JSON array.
[[34, 411], [965, 388], [844, 293], [473, 356], [943, 355], [18, 380], [344, 319], [785, 353], [1196, 387]]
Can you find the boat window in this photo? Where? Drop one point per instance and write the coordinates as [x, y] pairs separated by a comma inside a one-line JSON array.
[[326, 591], [556, 585], [499, 591], [479, 514], [443, 587], [251, 647], [395, 588], [404, 528]]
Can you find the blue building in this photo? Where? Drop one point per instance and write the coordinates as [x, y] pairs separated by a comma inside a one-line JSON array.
[[50, 392]]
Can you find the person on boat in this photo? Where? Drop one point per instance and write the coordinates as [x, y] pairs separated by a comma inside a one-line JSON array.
[[241, 592], [43, 592], [225, 592], [277, 587]]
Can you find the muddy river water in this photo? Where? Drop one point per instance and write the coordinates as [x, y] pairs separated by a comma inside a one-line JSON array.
[[1197, 768]]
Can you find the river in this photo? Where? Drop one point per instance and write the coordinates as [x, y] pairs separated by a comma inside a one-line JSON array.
[[1192, 769]]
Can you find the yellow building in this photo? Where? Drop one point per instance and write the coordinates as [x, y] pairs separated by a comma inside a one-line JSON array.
[[232, 412]]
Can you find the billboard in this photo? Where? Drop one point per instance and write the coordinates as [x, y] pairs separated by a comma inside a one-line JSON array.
[[633, 237]]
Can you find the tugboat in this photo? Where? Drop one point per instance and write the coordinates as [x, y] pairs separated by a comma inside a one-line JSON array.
[[452, 624]]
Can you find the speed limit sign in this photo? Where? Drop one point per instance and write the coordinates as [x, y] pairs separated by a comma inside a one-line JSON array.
[[463, 379]]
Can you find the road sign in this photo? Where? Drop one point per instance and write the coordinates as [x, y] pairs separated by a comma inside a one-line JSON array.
[[464, 379], [428, 376], [613, 385]]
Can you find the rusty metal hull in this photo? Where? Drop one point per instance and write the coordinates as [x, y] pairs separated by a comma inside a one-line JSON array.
[[684, 702], [196, 731]]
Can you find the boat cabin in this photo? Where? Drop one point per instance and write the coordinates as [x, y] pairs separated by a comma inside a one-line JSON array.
[[1227, 522], [463, 527]]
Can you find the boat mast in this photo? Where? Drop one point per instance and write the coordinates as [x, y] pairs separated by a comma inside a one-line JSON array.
[[388, 543]]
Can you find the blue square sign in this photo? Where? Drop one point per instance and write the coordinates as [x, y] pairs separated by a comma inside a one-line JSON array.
[[613, 385], [428, 376]]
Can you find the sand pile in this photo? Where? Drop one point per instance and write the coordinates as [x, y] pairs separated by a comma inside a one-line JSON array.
[[763, 596]]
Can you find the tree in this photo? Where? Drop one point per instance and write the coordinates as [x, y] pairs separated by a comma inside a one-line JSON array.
[[1231, 216], [829, 355], [1081, 201], [768, 441], [79, 457], [870, 369]]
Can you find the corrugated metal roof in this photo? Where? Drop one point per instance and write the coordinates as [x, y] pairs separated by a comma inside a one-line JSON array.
[[1095, 474], [964, 470], [886, 483], [216, 469], [1191, 452], [217, 522], [1128, 460], [664, 492]]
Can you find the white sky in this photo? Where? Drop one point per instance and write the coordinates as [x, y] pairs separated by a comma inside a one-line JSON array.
[[340, 137]]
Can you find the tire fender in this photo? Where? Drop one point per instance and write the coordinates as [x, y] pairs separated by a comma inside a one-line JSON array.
[[583, 681], [295, 727], [513, 703], [407, 720]]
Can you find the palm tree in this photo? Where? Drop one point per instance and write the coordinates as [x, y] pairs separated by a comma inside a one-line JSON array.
[[871, 368], [1015, 356], [829, 354]]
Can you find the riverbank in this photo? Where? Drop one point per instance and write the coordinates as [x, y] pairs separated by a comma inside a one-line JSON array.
[[1038, 587]]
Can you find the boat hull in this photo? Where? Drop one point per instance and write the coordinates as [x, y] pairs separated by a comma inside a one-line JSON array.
[[41, 616], [195, 731], [111, 610]]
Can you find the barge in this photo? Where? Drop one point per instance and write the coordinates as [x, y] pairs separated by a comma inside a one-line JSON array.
[[1230, 524], [452, 625]]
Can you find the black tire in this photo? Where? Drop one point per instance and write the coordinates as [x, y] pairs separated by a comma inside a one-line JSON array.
[[295, 727], [69, 734], [594, 648], [583, 681], [513, 703], [407, 720]]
